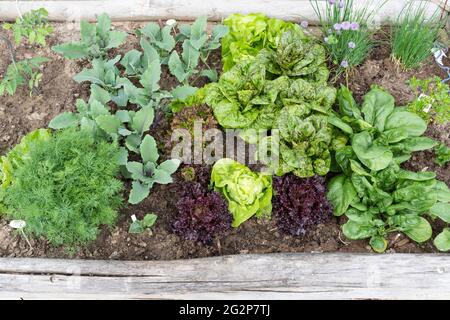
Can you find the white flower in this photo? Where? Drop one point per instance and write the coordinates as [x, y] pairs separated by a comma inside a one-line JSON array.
[[171, 22]]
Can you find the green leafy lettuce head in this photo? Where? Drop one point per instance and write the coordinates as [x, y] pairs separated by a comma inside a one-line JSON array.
[[16, 156], [296, 56], [248, 193], [249, 34], [243, 97]]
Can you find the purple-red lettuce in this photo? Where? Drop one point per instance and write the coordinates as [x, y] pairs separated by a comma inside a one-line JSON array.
[[202, 214], [300, 204]]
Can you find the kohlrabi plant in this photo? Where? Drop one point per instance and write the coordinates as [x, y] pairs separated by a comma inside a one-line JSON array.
[[32, 25], [96, 40], [161, 38], [199, 38], [25, 72], [248, 193]]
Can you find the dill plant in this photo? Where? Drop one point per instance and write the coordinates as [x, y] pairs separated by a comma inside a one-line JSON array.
[[414, 34], [347, 33], [64, 187]]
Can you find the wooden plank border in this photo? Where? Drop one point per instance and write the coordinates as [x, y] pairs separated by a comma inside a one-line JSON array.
[[216, 10], [268, 276]]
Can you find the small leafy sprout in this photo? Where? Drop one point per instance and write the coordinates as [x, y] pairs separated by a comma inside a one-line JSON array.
[[96, 40], [147, 173], [414, 34], [442, 155], [19, 225], [32, 25], [24, 72], [139, 226]]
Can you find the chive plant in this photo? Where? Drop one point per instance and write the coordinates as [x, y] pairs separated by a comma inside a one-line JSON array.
[[347, 33], [414, 34]]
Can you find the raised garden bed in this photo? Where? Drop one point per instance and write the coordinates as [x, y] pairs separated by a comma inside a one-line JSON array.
[[58, 92]]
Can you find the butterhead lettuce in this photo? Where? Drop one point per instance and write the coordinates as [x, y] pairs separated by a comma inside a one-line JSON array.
[[248, 193]]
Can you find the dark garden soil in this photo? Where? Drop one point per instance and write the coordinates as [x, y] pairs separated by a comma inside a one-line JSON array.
[[21, 114]]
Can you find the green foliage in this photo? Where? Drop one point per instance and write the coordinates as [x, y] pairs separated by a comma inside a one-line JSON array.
[[283, 89], [442, 240], [96, 40], [32, 25], [414, 33], [139, 226], [377, 203], [249, 34], [14, 159], [248, 193], [347, 36], [379, 133], [432, 100], [160, 39], [196, 46], [373, 192], [65, 186], [24, 72], [442, 154], [127, 128]]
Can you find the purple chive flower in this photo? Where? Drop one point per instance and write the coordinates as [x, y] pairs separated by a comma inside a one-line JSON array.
[[337, 26], [354, 26], [341, 4], [346, 25], [352, 45], [332, 2], [344, 64], [304, 24], [329, 31]]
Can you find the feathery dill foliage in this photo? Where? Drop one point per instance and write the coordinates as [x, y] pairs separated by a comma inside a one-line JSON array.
[[414, 34], [66, 188], [347, 36]]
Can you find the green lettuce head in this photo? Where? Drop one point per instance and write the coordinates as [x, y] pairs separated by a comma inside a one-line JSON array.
[[249, 34], [248, 193], [296, 56], [243, 98]]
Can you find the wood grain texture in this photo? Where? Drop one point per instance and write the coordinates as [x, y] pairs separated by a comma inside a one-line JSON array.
[[269, 276], [120, 10]]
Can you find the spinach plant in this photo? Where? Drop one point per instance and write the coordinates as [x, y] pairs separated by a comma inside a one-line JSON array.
[[377, 203], [372, 191], [379, 132], [96, 40], [32, 25]]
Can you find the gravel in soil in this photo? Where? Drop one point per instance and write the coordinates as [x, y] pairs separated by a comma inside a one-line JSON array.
[[21, 114]]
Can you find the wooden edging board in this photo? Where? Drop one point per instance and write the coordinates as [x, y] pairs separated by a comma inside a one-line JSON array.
[[268, 276], [216, 10]]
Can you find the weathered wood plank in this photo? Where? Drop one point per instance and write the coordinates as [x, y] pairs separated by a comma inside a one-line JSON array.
[[119, 10], [272, 276]]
